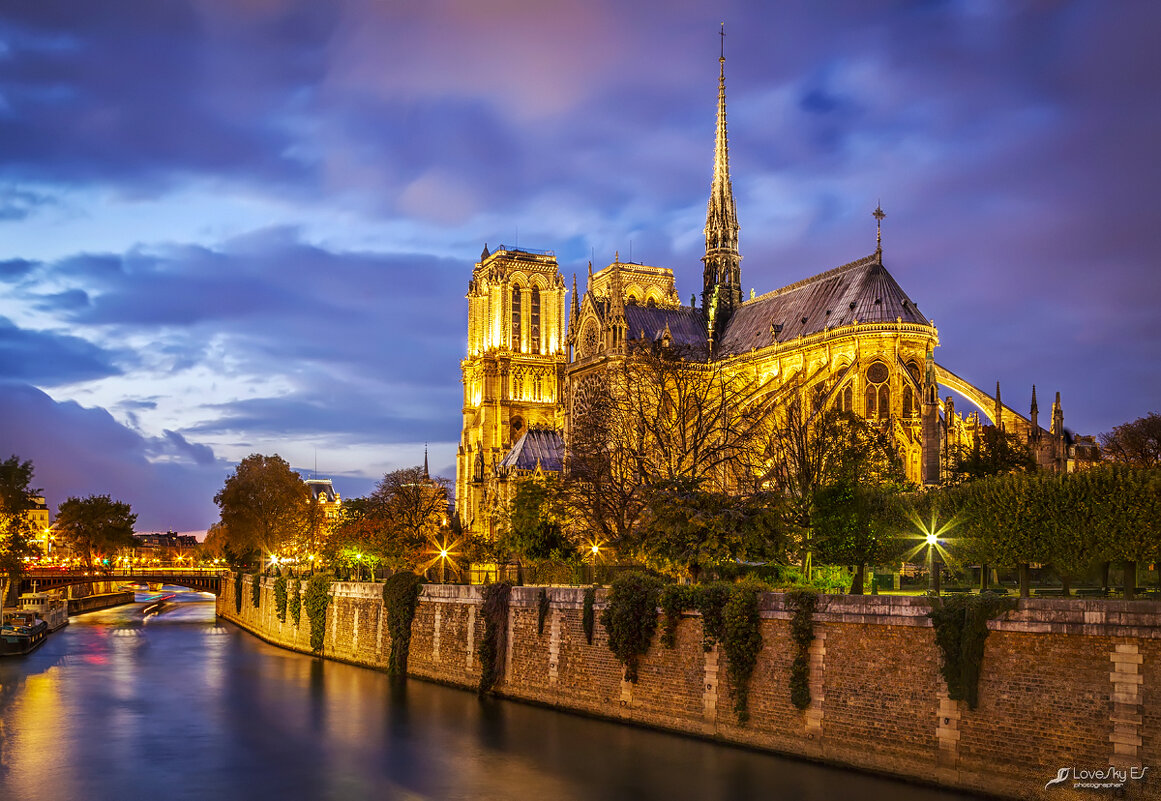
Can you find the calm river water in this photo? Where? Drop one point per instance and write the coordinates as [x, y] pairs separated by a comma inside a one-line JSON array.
[[179, 706]]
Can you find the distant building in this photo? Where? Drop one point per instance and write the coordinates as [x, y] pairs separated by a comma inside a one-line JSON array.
[[323, 492], [170, 539]]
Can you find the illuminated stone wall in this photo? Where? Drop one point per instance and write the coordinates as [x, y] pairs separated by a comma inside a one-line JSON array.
[[1065, 682]]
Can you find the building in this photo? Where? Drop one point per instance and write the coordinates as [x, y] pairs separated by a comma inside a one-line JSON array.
[[323, 492], [850, 336]]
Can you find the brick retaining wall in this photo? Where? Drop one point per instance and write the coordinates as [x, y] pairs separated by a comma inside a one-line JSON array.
[[1064, 682]]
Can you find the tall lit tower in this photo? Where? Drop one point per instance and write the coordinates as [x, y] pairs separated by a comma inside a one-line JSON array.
[[722, 284]]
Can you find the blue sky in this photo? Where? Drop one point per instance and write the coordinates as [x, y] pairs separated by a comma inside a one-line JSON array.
[[235, 226]]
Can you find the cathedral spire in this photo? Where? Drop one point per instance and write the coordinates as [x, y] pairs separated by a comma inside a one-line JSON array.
[[426, 475], [721, 219], [574, 308]]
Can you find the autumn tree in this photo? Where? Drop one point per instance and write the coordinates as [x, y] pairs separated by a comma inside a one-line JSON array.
[[1137, 443], [265, 507], [16, 530], [96, 525]]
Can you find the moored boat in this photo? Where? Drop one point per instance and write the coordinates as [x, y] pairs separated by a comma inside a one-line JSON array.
[[49, 607], [21, 632]]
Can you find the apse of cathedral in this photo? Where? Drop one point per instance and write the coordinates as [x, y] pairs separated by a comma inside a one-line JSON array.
[[849, 335]]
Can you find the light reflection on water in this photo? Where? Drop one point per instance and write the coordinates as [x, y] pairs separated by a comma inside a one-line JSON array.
[[177, 706]]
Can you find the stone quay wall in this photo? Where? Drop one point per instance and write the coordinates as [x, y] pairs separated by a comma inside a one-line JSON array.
[[1064, 683]]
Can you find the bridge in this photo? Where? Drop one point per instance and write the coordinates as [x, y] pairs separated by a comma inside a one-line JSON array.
[[204, 580]]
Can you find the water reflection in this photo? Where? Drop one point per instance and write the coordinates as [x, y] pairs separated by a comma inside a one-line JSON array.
[[177, 706]]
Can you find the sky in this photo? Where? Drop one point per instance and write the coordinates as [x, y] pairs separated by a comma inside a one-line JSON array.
[[247, 226]]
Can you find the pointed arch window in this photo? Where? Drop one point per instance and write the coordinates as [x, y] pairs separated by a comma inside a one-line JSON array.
[[872, 396], [516, 318], [908, 401], [534, 319], [884, 402]]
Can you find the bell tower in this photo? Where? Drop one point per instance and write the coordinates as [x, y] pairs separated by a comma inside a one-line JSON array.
[[514, 369]]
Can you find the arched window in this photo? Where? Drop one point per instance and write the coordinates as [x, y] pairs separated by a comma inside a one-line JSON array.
[[534, 320], [516, 318], [849, 399], [884, 402], [872, 395], [537, 386], [908, 403]]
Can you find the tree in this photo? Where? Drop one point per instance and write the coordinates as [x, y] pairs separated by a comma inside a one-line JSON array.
[[535, 521], [813, 448], [16, 530], [1137, 443], [995, 452], [398, 524], [265, 507], [96, 525], [660, 415], [1128, 522], [688, 529], [858, 524]]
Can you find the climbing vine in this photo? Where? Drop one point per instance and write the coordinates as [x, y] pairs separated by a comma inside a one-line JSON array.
[[294, 604], [803, 602], [256, 589], [741, 641], [961, 628], [316, 598], [494, 643], [541, 611], [238, 592], [400, 600], [675, 599], [588, 617], [630, 618], [280, 598], [711, 602]]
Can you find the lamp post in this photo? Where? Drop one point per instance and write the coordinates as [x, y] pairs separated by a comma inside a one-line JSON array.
[[933, 562]]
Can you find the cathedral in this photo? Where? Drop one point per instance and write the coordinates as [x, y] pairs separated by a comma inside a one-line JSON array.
[[850, 334]]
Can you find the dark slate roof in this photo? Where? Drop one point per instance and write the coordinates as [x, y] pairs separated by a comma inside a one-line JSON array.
[[686, 324], [538, 446], [862, 290]]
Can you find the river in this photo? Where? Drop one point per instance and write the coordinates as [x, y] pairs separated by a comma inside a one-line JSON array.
[[175, 706]]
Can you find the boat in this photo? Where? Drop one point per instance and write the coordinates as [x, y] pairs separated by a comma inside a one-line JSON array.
[[21, 632], [48, 606]]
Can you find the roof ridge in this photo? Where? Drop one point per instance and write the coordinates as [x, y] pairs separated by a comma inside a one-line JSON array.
[[864, 261]]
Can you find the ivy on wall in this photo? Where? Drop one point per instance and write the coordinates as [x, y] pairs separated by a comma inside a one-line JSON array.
[[238, 592], [316, 598], [541, 611], [961, 629], [675, 599], [630, 618], [803, 602], [494, 642], [741, 641], [280, 598], [400, 600], [588, 617], [256, 589], [294, 603], [729, 616]]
